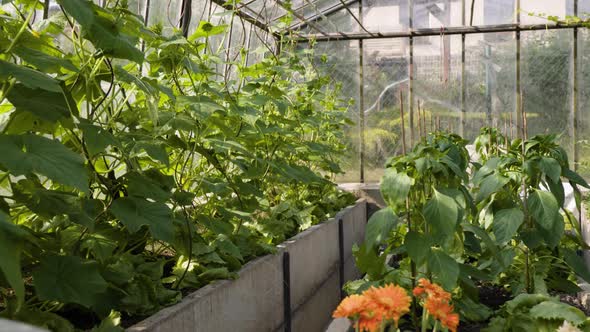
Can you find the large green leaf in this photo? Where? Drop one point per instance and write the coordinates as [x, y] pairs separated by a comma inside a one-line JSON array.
[[575, 178], [24, 154], [395, 187], [379, 226], [44, 61], [551, 168], [489, 185], [149, 184], [369, 262], [11, 245], [576, 263], [544, 209], [417, 246], [506, 224], [206, 29], [97, 138], [69, 279], [135, 212], [105, 33], [441, 213], [444, 268], [28, 77], [47, 105], [51, 203], [558, 310]]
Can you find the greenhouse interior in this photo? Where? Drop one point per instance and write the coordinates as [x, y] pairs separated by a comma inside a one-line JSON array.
[[294, 165]]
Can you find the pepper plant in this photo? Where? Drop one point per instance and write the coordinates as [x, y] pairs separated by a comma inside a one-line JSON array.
[[499, 220]]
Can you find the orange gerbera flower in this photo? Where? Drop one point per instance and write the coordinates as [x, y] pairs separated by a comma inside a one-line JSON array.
[[351, 306], [442, 311], [430, 289], [393, 300]]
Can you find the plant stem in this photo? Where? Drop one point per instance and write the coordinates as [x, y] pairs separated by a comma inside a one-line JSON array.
[[424, 320], [22, 30]]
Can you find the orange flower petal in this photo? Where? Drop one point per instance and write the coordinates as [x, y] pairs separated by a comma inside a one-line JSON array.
[[351, 306]]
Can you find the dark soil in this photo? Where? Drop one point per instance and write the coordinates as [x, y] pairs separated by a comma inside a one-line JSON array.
[[493, 296]]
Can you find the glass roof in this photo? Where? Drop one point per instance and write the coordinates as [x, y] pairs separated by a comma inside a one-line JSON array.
[[323, 17]]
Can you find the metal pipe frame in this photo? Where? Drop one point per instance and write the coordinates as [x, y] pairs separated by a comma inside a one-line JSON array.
[[329, 11], [437, 31]]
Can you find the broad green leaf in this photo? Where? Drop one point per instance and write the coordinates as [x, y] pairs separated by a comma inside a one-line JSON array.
[[395, 187], [576, 263], [206, 29], [105, 34], [149, 184], [575, 178], [24, 154], [379, 226], [544, 209], [490, 185], [417, 246], [155, 150], [51, 203], [522, 301], [444, 268], [30, 78], [441, 213], [11, 244], [45, 319], [97, 138], [551, 168], [47, 105], [558, 310], [369, 262], [44, 61], [216, 274], [556, 189], [506, 224], [69, 279], [224, 244], [135, 212]]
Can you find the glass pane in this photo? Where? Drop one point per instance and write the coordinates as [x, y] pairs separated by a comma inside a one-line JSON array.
[[532, 9], [437, 13], [166, 13], [266, 10], [385, 70], [341, 63], [200, 12], [437, 84], [584, 102], [386, 15], [490, 82], [488, 12], [546, 81], [340, 21]]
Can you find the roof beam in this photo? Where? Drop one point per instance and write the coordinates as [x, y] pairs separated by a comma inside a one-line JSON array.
[[438, 31], [324, 13], [242, 14], [314, 26]]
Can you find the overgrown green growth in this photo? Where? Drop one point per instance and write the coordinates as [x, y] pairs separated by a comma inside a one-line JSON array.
[[130, 169]]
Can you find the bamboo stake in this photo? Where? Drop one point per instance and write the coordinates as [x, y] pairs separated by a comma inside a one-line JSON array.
[[419, 122], [401, 113], [424, 122]]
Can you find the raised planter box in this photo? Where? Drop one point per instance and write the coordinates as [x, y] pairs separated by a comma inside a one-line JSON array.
[[295, 289]]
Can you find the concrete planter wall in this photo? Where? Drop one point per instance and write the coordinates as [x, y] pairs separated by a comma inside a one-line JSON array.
[[295, 289]]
